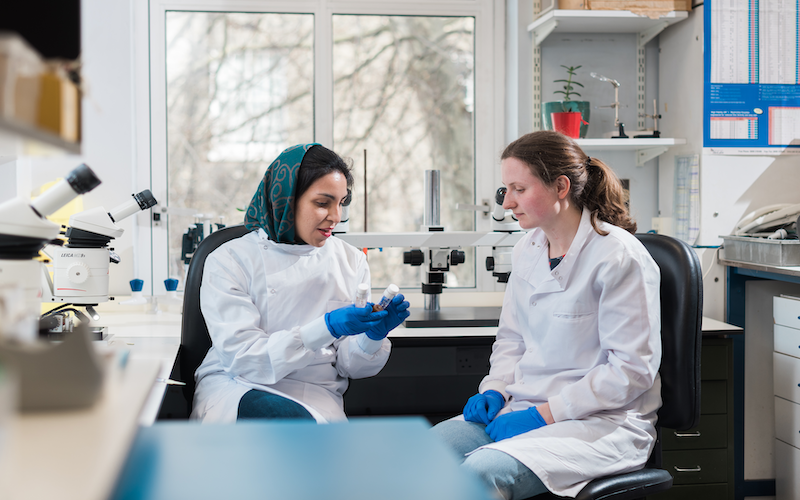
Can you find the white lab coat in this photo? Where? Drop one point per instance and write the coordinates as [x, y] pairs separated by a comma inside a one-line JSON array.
[[264, 304], [584, 337]]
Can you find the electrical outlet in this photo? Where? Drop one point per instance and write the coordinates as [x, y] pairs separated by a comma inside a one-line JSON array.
[[473, 359]]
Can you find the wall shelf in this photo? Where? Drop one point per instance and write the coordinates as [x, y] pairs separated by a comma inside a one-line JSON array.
[[20, 139], [646, 149], [601, 21]]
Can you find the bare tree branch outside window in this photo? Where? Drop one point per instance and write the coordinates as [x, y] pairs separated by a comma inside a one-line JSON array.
[[403, 90], [240, 89]]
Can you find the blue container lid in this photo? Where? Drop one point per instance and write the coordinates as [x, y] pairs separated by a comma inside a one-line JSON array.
[[171, 284], [136, 285]]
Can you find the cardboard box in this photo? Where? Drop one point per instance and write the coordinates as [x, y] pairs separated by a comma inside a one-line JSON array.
[[59, 106], [20, 67], [573, 4], [650, 8]]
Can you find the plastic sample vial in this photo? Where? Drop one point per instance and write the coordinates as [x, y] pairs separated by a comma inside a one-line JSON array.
[[361, 295], [388, 295]]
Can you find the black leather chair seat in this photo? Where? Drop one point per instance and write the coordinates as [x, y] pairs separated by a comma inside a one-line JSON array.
[[628, 486]]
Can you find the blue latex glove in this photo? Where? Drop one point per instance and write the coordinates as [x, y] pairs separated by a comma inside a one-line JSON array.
[[397, 312], [514, 423], [482, 408], [352, 320]]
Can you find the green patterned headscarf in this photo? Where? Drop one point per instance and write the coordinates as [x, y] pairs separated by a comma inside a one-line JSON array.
[[272, 207]]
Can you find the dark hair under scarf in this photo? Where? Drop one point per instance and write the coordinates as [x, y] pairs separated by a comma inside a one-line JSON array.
[[272, 207]]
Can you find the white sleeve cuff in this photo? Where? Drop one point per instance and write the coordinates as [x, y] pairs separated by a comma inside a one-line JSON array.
[[495, 385], [368, 345], [315, 335]]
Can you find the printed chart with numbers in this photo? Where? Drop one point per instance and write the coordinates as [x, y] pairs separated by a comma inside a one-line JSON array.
[[752, 72]]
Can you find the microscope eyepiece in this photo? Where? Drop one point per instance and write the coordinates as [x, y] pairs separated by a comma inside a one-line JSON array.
[[82, 179], [79, 181], [141, 201], [500, 195], [145, 199]]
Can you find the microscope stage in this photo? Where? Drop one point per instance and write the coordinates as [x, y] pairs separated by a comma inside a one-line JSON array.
[[454, 317]]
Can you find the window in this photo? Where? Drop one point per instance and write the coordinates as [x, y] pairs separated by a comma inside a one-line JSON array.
[[399, 89], [240, 88]]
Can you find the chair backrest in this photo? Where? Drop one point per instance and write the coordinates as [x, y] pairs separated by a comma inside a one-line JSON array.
[[195, 341], [681, 329]]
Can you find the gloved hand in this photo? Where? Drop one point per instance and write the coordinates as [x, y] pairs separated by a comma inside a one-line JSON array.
[[397, 312], [482, 408], [516, 422], [352, 320]]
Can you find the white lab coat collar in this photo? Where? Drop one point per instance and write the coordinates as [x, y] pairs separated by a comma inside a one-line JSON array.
[[299, 250], [537, 270]]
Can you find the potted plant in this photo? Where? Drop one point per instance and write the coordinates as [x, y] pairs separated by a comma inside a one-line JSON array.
[[561, 109]]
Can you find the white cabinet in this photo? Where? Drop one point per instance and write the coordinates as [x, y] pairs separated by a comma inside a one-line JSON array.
[[786, 373]]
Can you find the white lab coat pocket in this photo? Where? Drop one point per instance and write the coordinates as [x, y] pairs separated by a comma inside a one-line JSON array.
[[574, 332]]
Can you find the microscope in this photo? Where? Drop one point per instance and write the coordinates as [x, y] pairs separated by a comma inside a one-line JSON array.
[[435, 251], [81, 266], [24, 231], [195, 234], [437, 259], [499, 263]]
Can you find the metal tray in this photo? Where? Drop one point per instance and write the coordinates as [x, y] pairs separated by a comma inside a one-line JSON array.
[[762, 250]]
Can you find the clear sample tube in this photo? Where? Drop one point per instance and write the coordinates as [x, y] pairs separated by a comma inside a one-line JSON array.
[[361, 295], [388, 295]]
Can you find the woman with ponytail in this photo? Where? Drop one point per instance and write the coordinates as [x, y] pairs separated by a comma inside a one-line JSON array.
[[573, 385]]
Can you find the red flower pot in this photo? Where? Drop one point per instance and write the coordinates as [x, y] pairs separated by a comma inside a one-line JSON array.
[[568, 123]]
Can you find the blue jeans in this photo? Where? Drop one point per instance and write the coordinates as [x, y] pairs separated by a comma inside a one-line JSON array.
[[260, 404], [503, 473]]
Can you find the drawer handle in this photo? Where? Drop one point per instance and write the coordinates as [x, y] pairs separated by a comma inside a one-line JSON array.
[[696, 468], [695, 434]]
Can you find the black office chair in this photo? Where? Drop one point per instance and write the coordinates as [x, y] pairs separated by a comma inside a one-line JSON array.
[[681, 335], [195, 341]]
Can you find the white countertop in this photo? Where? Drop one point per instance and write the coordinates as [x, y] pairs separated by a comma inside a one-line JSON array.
[[77, 454]]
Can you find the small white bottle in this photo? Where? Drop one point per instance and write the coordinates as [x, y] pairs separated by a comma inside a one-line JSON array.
[[361, 295], [388, 295]]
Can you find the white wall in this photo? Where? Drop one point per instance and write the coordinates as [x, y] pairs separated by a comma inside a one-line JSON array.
[[107, 127], [730, 186]]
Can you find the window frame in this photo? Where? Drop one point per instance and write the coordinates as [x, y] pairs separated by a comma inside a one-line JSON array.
[[150, 87]]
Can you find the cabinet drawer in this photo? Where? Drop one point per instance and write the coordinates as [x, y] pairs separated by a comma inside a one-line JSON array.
[[787, 421], [712, 432], [713, 397], [786, 312], [696, 466], [786, 376], [787, 471], [787, 340], [694, 492], [714, 362]]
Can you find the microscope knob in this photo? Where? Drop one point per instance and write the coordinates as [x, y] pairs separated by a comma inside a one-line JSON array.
[[457, 257], [414, 257], [78, 272], [490, 263]]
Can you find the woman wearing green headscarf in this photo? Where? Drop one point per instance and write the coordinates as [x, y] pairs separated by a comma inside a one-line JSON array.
[[278, 302]]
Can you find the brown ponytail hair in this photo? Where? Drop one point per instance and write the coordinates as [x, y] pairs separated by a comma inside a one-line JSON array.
[[593, 184]]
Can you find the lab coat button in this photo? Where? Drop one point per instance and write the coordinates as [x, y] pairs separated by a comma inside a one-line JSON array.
[[266, 247], [273, 291], [534, 303]]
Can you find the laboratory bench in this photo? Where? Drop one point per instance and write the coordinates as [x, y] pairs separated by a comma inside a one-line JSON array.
[[431, 372], [750, 288]]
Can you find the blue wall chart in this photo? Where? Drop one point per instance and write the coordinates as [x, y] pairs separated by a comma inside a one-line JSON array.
[[751, 94]]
